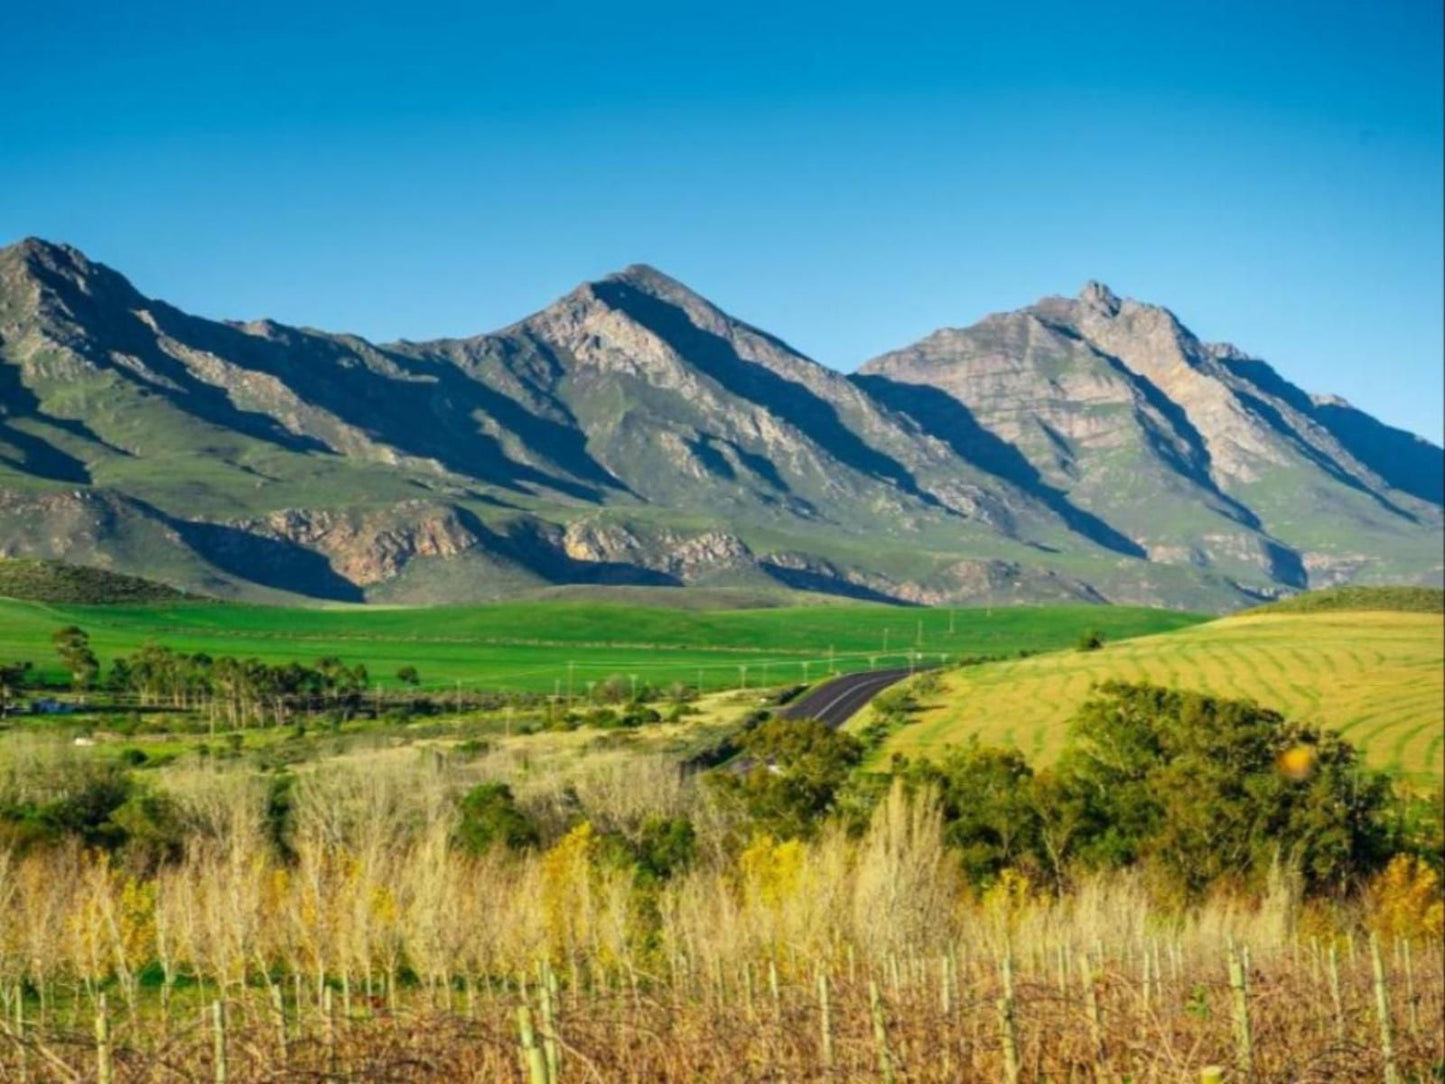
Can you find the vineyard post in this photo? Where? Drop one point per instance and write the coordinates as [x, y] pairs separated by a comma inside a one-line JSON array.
[[1239, 987], [773, 986], [22, 1053], [1411, 1001], [880, 1034], [549, 1021], [534, 1062], [1382, 1010], [945, 980], [1008, 1036], [328, 1010], [102, 1042], [1091, 1009], [1333, 970], [278, 1006], [218, 1027], [826, 1025], [1144, 957]]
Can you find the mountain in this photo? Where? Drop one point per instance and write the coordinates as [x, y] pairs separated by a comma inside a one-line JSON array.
[[633, 433]]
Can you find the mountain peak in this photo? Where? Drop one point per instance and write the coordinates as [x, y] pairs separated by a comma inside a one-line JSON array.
[[36, 251], [1098, 296], [649, 280]]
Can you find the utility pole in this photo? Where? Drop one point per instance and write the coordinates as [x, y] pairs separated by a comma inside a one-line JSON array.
[[633, 678], [951, 615], [743, 675], [571, 668]]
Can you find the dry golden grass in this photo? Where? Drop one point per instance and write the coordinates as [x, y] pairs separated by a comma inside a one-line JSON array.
[[381, 954]]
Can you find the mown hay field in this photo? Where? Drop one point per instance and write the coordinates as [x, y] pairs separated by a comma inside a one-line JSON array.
[[1376, 677]]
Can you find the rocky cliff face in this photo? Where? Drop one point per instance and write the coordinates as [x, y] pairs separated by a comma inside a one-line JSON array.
[[1085, 448]]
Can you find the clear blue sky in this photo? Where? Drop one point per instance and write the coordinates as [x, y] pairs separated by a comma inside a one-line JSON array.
[[848, 176]]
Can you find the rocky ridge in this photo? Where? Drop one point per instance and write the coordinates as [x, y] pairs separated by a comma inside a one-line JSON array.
[[1087, 448]]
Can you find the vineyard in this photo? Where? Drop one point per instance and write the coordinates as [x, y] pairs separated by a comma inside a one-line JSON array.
[[381, 955]]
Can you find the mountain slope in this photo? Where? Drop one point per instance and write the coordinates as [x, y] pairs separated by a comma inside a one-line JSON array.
[[632, 432], [1197, 452]]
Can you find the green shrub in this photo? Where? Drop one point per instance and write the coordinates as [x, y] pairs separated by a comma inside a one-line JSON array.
[[490, 818]]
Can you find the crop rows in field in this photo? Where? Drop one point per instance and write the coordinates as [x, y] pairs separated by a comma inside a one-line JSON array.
[[1375, 677]]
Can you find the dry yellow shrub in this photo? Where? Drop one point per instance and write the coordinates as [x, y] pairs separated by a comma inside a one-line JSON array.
[[1406, 901]]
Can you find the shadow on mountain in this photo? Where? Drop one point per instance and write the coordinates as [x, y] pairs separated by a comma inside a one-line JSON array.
[[801, 579], [268, 561], [529, 547], [784, 399], [424, 407], [942, 416], [1406, 462], [34, 454], [105, 311], [1325, 463], [1285, 565], [1197, 464]]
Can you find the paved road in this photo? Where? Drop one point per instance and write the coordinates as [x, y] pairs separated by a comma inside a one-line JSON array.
[[842, 698]]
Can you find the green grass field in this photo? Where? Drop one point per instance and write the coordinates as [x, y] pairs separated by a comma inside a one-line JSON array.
[[1374, 676], [534, 646]]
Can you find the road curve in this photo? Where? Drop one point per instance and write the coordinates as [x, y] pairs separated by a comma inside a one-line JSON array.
[[840, 699]]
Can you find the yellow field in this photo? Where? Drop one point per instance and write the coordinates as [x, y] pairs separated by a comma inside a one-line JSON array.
[[1378, 678]]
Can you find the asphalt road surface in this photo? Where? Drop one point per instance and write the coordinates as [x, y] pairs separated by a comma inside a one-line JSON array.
[[842, 698]]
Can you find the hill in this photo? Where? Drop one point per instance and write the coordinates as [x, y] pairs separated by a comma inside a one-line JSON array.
[[544, 647], [55, 581], [1377, 677], [1081, 449], [1425, 600]]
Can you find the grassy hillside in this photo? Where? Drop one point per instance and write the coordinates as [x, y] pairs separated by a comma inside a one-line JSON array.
[[1374, 676], [1425, 600], [55, 581], [534, 645]]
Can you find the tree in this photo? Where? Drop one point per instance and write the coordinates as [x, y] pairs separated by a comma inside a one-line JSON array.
[[12, 680], [798, 767], [490, 817], [1091, 640], [72, 646], [1206, 789], [408, 675], [989, 813]]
